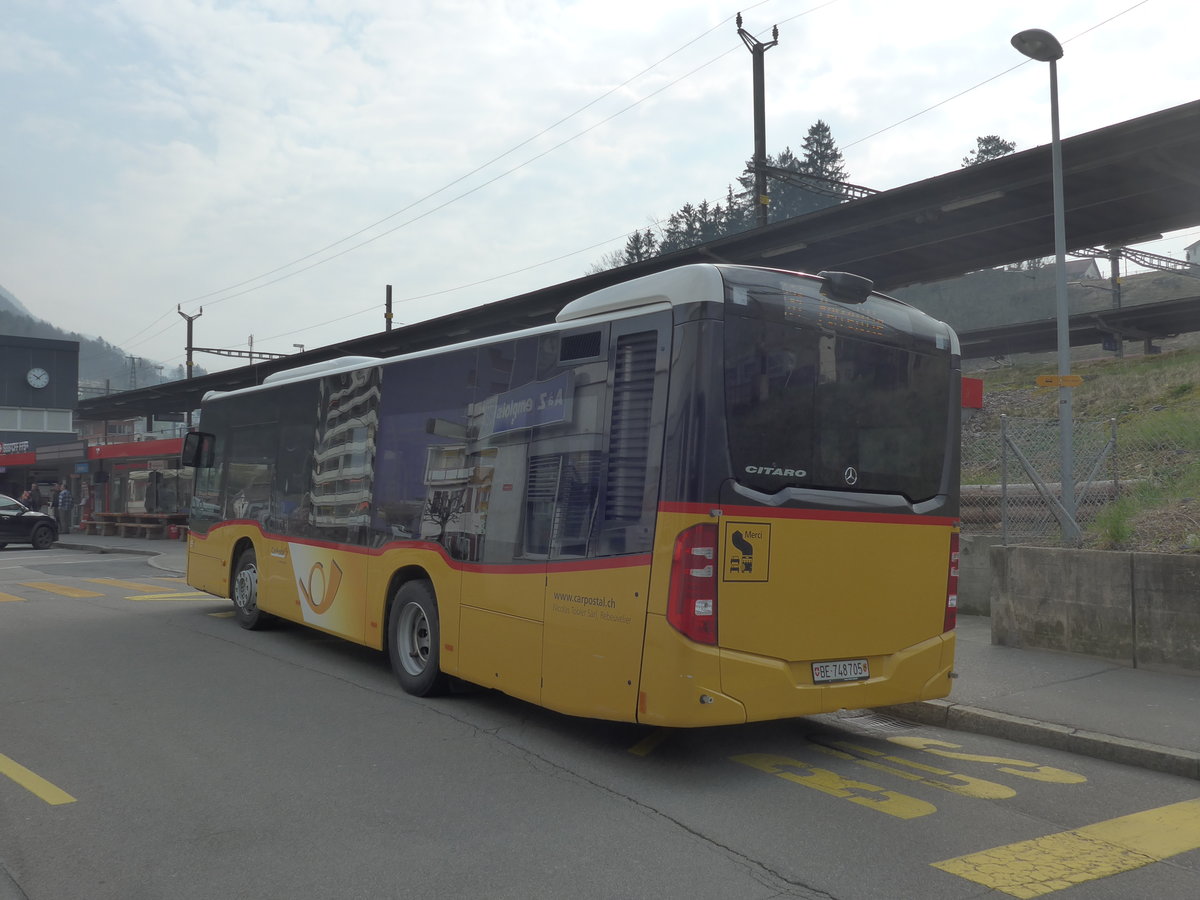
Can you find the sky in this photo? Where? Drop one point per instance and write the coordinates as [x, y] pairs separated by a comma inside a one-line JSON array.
[[277, 163]]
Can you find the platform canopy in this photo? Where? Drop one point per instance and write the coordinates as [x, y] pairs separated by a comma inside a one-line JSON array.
[[1121, 184]]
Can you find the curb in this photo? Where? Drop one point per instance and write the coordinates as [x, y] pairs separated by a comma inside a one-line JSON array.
[[154, 555], [957, 717], [96, 548]]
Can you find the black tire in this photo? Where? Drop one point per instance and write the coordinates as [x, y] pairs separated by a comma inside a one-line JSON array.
[[245, 593], [414, 640], [42, 538]]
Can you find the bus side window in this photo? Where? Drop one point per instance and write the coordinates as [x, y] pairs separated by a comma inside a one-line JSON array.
[[251, 466]]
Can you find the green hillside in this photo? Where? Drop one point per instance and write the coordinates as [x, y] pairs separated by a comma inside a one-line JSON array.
[[1151, 404]]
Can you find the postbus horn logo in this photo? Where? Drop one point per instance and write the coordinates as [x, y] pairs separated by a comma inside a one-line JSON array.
[[330, 585]]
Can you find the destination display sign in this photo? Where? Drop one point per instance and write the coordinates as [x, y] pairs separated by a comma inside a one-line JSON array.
[[537, 403]]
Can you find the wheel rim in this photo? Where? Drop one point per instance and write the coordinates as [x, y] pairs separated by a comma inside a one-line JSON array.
[[245, 588], [414, 639]]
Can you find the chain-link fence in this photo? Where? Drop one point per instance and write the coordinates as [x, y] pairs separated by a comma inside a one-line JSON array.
[[1125, 471]]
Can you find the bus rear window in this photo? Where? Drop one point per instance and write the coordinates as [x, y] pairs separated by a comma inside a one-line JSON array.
[[840, 408]]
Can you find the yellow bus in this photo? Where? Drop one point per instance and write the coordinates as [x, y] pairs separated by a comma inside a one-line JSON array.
[[712, 495]]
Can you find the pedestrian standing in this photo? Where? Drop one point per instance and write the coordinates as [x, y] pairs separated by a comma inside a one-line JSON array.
[[35, 498], [64, 506]]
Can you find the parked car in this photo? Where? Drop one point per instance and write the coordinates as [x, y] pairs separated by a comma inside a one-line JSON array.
[[21, 525]]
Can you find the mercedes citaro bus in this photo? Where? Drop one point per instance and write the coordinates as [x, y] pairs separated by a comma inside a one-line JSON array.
[[712, 495]]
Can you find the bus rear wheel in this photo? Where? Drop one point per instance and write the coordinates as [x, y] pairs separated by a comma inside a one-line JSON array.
[[245, 592], [414, 640]]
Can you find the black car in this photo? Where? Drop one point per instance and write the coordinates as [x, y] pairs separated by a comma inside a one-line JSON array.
[[21, 525]]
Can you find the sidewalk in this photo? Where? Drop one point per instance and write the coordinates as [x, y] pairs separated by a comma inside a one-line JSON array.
[[1065, 701], [1081, 704]]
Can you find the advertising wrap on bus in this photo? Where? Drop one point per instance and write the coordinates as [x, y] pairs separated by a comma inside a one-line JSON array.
[[713, 495]]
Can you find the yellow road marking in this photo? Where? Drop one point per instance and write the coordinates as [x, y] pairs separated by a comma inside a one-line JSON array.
[[223, 615], [1047, 864], [132, 585], [891, 802], [1009, 766], [189, 595], [646, 745], [33, 782], [7, 597], [60, 589], [964, 785]]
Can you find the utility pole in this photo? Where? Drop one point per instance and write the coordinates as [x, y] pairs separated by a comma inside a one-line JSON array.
[[757, 50], [387, 314], [190, 348], [1114, 260]]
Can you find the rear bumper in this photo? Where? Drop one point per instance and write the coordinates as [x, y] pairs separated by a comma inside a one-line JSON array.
[[685, 684]]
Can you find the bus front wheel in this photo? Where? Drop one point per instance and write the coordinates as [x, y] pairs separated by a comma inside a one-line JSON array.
[[245, 592], [414, 639]]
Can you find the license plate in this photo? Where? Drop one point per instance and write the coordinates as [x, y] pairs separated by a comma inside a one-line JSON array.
[[841, 670]]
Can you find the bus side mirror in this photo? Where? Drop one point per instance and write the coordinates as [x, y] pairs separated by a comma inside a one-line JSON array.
[[198, 450]]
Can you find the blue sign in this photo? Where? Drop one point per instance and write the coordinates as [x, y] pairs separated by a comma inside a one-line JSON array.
[[533, 404]]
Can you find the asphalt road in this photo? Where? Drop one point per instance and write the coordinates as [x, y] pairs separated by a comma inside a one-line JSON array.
[[151, 748]]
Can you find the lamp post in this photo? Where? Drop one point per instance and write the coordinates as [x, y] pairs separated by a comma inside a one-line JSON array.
[[1044, 47]]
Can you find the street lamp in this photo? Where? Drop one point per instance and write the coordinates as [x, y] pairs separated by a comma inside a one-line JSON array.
[[1044, 47]]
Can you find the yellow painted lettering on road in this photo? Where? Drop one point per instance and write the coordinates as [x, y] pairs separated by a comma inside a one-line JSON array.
[[33, 782], [964, 785], [131, 585], [1009, 766], [10, 597], [890, 802], [1058, 861], [62, 590], [223, 615]]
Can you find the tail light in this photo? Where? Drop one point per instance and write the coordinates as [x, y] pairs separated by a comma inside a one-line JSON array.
[[952, 586], [692, 603]]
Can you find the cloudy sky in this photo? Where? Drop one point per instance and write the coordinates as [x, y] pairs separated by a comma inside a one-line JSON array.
[[278, 162]]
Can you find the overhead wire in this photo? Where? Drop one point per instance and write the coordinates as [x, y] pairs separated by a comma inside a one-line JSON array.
[[132, 340], [546, 152]]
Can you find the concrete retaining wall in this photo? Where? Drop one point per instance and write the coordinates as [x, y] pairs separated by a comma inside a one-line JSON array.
[[975, 573], [1142, 609]]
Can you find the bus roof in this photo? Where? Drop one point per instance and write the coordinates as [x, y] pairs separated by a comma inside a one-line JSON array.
[[687, 284], [696, 283]]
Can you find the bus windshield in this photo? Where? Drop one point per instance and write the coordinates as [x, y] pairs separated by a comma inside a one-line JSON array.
[[821, 394]]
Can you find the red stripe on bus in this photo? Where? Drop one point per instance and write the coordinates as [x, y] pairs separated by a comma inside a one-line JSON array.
[[531, 567], [820, 515]]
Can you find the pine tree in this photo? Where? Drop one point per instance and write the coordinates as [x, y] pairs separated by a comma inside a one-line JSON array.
[[821, 155], [990, 146], [639, 246]]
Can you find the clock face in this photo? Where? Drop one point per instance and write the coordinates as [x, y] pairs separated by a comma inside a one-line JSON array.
[[37, 378]]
